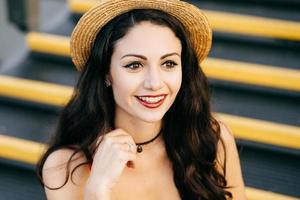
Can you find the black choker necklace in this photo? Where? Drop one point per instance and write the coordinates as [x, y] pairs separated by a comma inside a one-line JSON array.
[[139, 145]]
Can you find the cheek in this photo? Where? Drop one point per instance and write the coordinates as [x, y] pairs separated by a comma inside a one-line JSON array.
[[175, 82], [124, 88]]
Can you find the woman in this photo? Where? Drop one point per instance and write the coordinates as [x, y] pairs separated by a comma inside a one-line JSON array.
[[139, 125]]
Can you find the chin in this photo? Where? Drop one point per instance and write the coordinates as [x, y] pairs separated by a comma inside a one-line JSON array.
[[150, 118]]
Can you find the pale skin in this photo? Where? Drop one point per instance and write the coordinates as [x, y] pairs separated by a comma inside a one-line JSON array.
[[118, 171]]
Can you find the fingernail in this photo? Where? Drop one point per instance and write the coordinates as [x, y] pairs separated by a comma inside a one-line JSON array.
[[130, 164]]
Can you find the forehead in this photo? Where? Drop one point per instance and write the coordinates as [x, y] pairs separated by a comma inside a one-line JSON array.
[[148, 38]]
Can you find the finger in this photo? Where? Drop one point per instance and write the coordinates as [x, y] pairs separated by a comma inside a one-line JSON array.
[[101, 137], [99, 140], [125, 146], [114, 133], [119, 139], [130, 154], [127, 156], [124, 156], [117, 132]]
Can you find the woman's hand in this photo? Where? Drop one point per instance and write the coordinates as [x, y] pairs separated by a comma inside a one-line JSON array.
[[116, 149]]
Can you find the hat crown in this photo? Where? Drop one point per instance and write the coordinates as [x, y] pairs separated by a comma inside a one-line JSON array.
[[102, 1], [191, 17]]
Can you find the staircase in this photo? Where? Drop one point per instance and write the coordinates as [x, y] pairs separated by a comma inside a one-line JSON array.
[[253, 68]]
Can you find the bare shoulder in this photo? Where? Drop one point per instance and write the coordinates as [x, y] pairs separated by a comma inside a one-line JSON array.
[[58, 157], [58, 174], [226, 134], [228, 157], [226, 144]]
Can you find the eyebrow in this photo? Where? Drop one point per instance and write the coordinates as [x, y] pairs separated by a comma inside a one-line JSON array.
[[144, 58]]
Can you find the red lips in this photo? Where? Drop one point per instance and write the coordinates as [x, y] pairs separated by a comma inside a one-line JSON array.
[[148, 104]]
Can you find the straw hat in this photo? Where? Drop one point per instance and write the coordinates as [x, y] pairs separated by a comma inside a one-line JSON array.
[[92, 21]]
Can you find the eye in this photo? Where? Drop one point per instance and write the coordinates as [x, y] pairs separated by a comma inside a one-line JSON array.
[[133, 65], [170, 64]]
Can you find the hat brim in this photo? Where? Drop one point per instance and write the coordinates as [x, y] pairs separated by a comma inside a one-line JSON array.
[[192, 18]]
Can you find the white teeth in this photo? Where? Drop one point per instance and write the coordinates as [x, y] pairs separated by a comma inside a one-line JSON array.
[[151, 99]]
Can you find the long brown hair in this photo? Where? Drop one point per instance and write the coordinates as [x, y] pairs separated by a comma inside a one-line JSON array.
[[190, 132]]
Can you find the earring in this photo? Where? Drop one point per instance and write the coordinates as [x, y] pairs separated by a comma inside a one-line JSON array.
[[107, 83]]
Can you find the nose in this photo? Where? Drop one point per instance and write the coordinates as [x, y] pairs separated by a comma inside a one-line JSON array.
[[153, 79]]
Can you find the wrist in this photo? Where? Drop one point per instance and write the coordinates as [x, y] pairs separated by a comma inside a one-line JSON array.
[[96, 192]]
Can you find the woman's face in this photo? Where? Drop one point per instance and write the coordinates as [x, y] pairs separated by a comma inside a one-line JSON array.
[[146, 72]]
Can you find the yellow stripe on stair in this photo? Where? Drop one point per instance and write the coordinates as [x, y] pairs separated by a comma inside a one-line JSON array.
[[30, 152], [253, 25], [229, 22], [248, 73], [48, 43], [243, 128], [257, 194], [35, 91], [21, 150], [263, 131], [254, 74]]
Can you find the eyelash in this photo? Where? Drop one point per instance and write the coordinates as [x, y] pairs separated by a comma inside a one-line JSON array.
[[129, 66], [174, 64]]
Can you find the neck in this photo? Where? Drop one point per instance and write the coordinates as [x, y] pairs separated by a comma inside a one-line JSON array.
[[139, 130]]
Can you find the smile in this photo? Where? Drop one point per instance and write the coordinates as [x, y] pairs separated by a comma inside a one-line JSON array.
[[151, 101]]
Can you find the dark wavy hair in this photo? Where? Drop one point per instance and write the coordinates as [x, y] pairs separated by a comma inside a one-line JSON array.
[[190, 132]]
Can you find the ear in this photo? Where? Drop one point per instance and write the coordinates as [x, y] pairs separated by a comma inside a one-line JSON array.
[[107, 81]]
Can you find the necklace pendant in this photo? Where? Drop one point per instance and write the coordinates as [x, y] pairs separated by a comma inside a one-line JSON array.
[[139, 148]]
